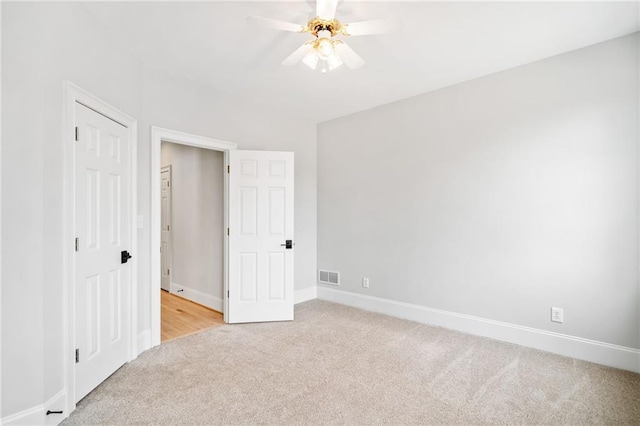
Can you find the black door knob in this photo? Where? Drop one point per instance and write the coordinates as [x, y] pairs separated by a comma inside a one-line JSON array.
[[124, 256], [288, 244]]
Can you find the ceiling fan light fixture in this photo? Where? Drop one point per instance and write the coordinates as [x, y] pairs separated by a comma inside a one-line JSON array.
[[324, 48], [334, 62], [317, 25], [311, 59]]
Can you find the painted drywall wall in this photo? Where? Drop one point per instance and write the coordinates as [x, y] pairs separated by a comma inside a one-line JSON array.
[[44, 44], [34, 66], [498, 198], [197, 222]]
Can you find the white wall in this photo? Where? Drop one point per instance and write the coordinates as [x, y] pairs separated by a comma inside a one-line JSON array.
[[34, 64], [496, 198], [197, 222], [44, 44]]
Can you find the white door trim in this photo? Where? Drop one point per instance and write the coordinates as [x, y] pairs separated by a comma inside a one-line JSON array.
[[73, 94], [159, 135], [169, 253]]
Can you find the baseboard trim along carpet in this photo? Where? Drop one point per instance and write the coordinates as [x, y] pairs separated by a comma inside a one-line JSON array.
[[575, 347], [144, 341], [305, 294], [38, 415], [216, 304]]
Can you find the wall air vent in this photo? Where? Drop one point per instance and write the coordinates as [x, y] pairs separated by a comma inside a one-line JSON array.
[[329, 277]]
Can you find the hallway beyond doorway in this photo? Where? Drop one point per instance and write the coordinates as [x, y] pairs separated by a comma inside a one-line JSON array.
[[181, 317]]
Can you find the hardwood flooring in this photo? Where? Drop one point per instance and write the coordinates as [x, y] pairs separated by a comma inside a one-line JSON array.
[[181, 317]]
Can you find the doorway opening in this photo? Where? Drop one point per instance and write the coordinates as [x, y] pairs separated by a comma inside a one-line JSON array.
[[192, 239], [181, 317], [160, 137]]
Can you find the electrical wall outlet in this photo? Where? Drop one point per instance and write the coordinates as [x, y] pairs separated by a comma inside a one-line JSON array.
[[557, 315], [365, 282]]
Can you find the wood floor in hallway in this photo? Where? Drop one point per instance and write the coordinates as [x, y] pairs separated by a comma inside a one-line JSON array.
[[181, 317]]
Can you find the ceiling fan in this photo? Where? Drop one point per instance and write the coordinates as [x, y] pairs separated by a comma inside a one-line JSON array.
[[324, 48]]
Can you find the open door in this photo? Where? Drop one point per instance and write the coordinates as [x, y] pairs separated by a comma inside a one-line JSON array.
[[260, 281]]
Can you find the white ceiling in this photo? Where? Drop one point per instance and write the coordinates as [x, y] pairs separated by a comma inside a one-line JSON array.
[[439, 44]]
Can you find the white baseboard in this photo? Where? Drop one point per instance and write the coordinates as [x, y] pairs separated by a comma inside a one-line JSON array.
[[56, 403], [575, 347], [305, 294], [216, 303], [30, 416], [144, 341], [197, 296], [38, 415]]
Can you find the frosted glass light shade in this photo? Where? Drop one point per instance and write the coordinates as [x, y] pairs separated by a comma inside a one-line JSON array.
[[311, 59], [334, 62]]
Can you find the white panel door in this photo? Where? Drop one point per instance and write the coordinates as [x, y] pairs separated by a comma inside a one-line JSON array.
[[165, 228], [102, 282], [260, 224]]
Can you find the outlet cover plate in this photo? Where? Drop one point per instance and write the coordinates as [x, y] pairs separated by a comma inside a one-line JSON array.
[[557, 315]]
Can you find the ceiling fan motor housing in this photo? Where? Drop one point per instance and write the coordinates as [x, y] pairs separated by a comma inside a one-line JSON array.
[[317, 24]]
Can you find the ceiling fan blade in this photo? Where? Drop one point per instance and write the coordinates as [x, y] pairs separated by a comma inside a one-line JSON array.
[[297, 54], [276, 24], [348, 55], [376, 26], [326, 9]]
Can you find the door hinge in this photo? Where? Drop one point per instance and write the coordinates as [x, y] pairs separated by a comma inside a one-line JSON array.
[[77, 243], [168, 271], [227, 294], [228, 169], [77, 133], [77, 356], [168, 227], [228, 231]]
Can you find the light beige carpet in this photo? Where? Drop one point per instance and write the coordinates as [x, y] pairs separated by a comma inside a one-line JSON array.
[[340, 365]]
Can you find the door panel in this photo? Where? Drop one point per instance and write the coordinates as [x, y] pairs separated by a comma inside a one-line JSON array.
[[114, 211], [260, 221], [102, 283], [276, 211], [115, 307], [249, 210], [248, 275], [277, 273], [93, 319]]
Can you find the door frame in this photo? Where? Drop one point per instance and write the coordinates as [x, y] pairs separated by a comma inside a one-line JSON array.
[[159, 135], [169, 245], [74, 94]]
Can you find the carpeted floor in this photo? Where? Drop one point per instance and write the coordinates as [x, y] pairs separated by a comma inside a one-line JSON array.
[[339, 365]]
